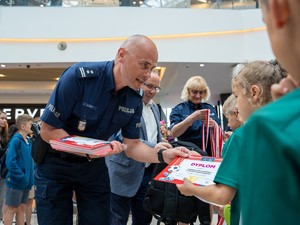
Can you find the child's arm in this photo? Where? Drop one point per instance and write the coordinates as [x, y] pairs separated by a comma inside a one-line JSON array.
[[216, 193]]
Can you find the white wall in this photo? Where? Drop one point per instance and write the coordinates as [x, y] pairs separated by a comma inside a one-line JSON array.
[[32, 34]]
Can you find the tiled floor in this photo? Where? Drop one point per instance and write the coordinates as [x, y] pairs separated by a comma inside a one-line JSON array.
[[154, 222]]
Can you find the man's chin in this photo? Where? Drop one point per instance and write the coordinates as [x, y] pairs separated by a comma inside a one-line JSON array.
[[134, 88]]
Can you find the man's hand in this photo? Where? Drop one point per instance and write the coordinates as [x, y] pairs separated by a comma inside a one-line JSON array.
[[117, 147], [172, 153], [186, 188], [162, 145]]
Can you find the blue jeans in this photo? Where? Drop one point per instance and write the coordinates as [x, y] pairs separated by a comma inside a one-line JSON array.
[[120, 206], [55, 180]]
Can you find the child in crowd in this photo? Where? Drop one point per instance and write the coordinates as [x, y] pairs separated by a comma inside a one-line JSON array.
[[3, 148], [166, 133], [251, 86], [231, 113], [19, 179], [269, 166]]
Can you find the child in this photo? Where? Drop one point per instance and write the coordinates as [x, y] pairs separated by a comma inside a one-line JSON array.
[[272, 172], [231, 113], [252, 89], [19, 178]]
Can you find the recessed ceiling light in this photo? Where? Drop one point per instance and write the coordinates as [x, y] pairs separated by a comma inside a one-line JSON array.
[[201, 65], [3, 65], [2, 75]]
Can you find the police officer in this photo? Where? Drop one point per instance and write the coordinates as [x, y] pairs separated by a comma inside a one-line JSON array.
[[94, 100]]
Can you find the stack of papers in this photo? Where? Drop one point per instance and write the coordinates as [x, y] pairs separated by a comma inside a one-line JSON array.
[[85, 145]]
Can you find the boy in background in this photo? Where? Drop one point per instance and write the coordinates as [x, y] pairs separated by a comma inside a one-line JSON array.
[[19, 179]]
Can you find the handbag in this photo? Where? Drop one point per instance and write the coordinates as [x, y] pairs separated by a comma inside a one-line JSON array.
[[39, 146]]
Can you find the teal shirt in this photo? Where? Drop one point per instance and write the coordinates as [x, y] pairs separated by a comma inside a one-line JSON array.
[[228, 171], [270, 164]]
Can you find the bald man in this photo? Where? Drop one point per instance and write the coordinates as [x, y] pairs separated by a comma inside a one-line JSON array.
[[94, 99]]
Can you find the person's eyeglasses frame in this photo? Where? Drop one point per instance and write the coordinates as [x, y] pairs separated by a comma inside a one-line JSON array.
[[151, 87], [195, 92]]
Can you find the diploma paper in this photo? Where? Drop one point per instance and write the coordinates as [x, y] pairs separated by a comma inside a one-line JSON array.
[[199, 170]]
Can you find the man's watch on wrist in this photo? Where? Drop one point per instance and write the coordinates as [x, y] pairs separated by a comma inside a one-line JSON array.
[[160, 155]]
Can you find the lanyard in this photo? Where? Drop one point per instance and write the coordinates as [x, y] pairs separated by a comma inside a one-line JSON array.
[[205, 126], [215, 134]]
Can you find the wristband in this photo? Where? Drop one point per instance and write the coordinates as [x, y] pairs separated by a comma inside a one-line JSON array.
[[160, 155]]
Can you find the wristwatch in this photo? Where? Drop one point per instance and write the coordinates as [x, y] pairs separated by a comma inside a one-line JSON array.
[[160, 155]]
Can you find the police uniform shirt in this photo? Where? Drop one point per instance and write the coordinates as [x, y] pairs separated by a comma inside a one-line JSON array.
[[84, 102], [194, 133]]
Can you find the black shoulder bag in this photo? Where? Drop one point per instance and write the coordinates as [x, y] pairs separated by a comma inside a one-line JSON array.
[[39, 146]]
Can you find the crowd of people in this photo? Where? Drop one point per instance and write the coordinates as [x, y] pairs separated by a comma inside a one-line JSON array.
[[113, 101]]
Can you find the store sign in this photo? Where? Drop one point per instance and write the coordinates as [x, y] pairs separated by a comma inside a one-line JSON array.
[[14, 110]]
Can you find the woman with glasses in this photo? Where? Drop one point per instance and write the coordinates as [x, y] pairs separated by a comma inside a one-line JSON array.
[[188, 117]]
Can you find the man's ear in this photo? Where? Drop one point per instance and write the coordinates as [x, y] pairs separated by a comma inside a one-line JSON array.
[[280, 11], [121, 54]]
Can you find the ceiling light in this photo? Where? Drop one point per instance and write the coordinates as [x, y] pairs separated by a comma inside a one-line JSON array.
[[201, 65], [161, 71], [204, 1], [3, 65], [2, 75]]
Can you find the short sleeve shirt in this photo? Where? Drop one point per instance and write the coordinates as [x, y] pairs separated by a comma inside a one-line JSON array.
[[86, 93], [270, 164], [228, 172]]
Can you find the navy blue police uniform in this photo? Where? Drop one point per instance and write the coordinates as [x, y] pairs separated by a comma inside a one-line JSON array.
[[84, 102], [194, 133]]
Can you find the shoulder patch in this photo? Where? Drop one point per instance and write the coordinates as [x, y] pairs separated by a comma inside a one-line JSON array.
[[87, 72]]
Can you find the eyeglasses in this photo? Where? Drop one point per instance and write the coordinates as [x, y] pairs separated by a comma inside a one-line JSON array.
[[151, 87], [195, 92]]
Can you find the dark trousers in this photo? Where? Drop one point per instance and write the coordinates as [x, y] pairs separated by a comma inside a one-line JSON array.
[[121, 206], [56, 179]]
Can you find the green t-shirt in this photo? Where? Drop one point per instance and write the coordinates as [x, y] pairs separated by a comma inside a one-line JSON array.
[[228, 172], [270, 164]]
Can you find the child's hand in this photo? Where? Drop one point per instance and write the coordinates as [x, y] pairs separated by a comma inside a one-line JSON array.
[[186, 188]]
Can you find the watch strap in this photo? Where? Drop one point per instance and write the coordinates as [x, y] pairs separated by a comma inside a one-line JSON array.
[[160, 155]]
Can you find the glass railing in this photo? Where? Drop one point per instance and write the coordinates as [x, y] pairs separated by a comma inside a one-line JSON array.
[[202, 4]]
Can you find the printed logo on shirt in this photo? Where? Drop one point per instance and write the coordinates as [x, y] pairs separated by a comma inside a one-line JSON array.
[[126, 110], [89, 105], [53, 110], [138, 125]]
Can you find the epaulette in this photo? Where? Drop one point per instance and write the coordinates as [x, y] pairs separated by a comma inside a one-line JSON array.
[[87, 72]]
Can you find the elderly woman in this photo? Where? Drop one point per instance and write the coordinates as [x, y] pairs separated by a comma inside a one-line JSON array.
[[188, 117]]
